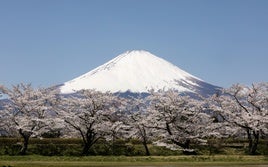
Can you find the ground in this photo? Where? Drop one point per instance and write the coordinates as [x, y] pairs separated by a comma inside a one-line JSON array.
[[151, 161]]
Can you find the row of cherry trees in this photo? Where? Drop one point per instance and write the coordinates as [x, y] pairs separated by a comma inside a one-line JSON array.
[[163, 117]]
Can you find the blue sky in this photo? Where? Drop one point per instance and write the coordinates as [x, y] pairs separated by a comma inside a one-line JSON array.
[[48, 42]]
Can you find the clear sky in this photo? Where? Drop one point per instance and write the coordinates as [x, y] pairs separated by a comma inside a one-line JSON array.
[[48, 42]]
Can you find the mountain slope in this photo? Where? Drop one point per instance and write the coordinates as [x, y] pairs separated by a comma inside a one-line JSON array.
[[138, 71]]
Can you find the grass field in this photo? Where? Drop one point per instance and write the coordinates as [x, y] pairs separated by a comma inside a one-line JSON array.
[[124, 161]]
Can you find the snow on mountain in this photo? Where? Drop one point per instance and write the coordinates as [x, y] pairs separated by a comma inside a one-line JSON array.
[[137, 71]]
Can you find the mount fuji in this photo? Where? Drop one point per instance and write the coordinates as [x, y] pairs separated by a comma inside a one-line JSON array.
[[138, 71]]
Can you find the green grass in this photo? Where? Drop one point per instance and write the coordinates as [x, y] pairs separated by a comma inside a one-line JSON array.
[[152, 161]]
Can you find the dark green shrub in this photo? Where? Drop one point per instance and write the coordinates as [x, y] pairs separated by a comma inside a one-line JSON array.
[[133, 147], [48, 149], [263, 147], [13, 149]]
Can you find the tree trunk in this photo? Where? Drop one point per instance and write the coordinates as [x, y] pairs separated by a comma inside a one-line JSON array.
[[86, 149], [187, 144], [89, 141], [24, 146], [144, 139], [249, 141], [255, 143], [26, 137], [146, 148], [187, 150]]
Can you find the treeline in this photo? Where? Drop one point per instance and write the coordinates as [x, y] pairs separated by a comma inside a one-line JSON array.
[[163, 119]]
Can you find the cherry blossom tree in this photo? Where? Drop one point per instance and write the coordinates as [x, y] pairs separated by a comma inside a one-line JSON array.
[[3, 126], [113, 131], [179, 120], [6, 128], [89, 113], [29, 111], [137, 121], [246, 108]]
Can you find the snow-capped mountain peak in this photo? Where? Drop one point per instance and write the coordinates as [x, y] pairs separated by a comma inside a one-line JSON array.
[[134, 71]]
